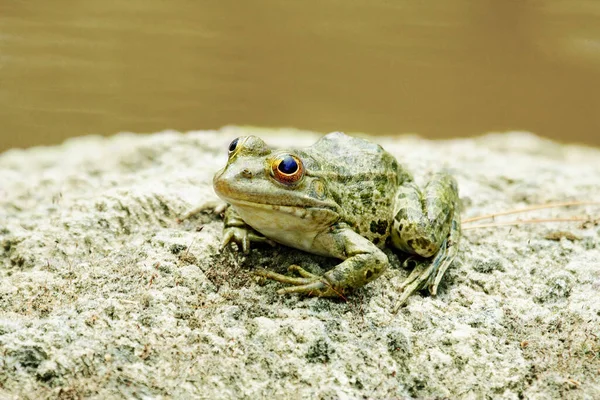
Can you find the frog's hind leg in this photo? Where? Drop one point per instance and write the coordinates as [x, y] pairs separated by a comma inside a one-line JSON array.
[[427, 224]]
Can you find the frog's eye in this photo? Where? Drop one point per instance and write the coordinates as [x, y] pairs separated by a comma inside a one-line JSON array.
[[287, 169], [233, 146]]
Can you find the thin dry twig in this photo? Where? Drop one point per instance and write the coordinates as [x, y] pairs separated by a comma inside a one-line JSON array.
[[531, 208], [525, 221]]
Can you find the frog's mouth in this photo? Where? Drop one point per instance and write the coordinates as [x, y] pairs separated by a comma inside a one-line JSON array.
[[260, 211], [300, 211]]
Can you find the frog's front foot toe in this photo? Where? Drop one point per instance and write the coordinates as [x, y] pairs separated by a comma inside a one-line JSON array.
[[243, 238], [308, 284], [236, 235]]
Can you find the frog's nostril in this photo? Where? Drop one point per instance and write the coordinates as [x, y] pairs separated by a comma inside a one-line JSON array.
[[246, 173]]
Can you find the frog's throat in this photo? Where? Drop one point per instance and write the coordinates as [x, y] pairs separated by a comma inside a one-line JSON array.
[[294, 226]]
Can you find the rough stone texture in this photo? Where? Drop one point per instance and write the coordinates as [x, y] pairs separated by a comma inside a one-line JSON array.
[[103, 294]]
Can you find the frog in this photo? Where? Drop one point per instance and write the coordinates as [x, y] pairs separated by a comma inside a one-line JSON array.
[[343, 197]]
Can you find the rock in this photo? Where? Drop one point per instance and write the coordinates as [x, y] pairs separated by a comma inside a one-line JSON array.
[[104, 293]]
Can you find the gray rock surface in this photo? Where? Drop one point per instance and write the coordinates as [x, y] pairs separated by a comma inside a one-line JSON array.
[[103, 294]]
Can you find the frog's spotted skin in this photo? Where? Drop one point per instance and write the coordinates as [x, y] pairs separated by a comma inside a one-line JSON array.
[[421, 226], [343, 197]]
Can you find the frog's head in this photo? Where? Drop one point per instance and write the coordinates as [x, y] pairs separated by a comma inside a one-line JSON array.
[[274, 190]]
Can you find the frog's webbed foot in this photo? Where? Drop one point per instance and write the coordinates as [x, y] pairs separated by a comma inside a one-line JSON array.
[[429, 273], [308, 283]]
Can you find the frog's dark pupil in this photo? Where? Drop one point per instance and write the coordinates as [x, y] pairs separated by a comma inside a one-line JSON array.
[[288, 165], [233, 144]]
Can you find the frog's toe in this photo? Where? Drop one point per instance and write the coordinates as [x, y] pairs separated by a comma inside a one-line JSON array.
[[226, 239], [417, 279], [236, 235], [302, 272], [317, 288], [426, 274], [435, 280], [243, 238], [290, 280], [308, 283]]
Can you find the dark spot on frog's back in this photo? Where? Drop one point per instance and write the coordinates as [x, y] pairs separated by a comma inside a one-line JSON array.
[[379, 226]]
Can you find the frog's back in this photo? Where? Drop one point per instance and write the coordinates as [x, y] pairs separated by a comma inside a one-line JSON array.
[[362, 178]]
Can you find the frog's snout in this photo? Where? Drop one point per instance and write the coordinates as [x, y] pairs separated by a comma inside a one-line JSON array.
[[227, 180]]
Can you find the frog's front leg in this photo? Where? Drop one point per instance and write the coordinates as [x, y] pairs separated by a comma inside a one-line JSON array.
[[236, 230], [427, 224], [363, 262]]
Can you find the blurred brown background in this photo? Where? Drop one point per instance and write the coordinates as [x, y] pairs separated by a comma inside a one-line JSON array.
[[451, 68]]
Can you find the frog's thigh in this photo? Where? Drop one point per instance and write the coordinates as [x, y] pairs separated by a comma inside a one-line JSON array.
[[363, 261], [423, 219]]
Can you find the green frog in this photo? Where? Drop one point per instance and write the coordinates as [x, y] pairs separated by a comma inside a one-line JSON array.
[[342, 197]]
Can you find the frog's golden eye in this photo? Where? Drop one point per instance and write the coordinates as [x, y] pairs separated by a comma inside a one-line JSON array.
[[233, 146], [287, 169]]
